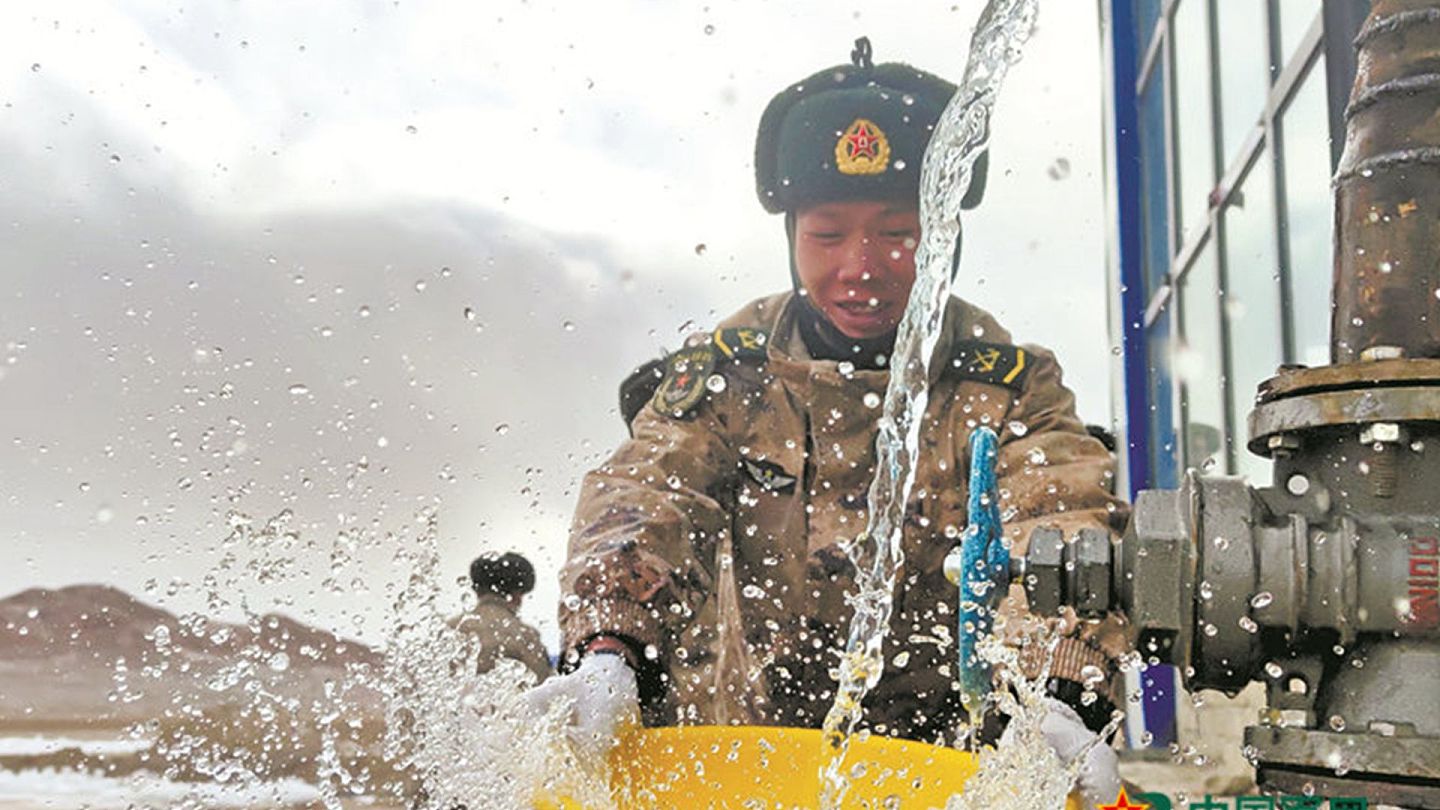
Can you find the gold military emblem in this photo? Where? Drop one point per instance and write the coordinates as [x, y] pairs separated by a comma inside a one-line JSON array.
[[987, 358], [862, 149]]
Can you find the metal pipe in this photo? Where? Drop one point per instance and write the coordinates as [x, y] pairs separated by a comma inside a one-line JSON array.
[[1387, 191]]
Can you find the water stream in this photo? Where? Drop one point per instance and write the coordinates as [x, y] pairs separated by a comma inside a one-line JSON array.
[[961, 136]]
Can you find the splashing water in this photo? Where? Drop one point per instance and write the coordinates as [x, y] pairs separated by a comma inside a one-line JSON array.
[[1022, 770], [461, 734], [415, 727], [961, 135]]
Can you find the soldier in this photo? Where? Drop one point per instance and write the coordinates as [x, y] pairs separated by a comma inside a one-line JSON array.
[[492, 629], [706, 579]]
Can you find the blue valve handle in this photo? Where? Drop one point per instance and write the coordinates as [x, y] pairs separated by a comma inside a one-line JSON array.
[[984, 568]]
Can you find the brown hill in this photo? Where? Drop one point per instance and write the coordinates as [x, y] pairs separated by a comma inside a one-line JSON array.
[[102, 623], [95, 654]]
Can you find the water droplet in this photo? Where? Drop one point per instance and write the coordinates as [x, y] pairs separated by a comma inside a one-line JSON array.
[[1207, 591], [1211, 630], [420, 285], [114, 158], [568, 326], [502, 428], [1262, 599], [709, 29], [1018, 428], [1248, 624], [299, 389], [871, 399], [1337, 723], [752, 591], [1297, 484], [35, 67], [715, 383], [411, 129], [279, 662], [899, 165], [1274, 670], [571, 601], [845, 367], [326, 332]]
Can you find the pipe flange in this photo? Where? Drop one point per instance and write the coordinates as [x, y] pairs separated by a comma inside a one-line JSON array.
[[1301, 412]]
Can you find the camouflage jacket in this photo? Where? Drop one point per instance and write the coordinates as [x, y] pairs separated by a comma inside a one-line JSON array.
[[492, 630], [711, 538]]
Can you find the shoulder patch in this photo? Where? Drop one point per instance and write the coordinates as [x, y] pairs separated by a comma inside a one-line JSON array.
[[683, 385], [639, 387], [741, 343], [993, 363]]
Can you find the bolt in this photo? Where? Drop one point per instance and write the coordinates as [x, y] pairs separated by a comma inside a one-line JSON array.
[[1281, 445], [1384, 477], [1381, 433], [1375, 353]]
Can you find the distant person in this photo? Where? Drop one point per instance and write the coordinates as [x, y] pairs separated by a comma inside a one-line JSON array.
[[493, 629]]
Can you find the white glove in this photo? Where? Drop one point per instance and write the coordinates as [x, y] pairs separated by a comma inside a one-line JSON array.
[[603, 699], [1099, 777]]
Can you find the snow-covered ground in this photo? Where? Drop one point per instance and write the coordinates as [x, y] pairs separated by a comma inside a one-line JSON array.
[[34, 745], [70, 789]]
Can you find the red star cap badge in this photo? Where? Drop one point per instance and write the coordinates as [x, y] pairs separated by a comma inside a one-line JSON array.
[[1122, 802], [862, 142]]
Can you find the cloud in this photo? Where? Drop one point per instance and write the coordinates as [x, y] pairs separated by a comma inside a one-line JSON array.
[[247, 306]]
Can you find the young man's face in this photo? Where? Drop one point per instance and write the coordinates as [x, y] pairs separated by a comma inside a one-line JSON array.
[[856, 261]]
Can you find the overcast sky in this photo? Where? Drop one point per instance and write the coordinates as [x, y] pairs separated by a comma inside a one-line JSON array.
[[358, 258]]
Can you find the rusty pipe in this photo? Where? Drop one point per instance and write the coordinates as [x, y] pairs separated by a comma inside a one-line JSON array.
[[1386, 289]]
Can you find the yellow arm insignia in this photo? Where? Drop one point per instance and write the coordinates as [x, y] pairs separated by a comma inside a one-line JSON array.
[[993, 363]]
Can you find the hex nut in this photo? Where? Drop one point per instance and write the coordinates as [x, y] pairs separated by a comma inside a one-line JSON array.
[[1045, 571], [1382, 432], [1091, 552]]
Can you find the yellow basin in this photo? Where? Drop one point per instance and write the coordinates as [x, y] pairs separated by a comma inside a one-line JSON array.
[[769, 767]]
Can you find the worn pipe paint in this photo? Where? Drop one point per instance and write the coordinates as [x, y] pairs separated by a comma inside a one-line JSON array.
[[1387, 190]]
